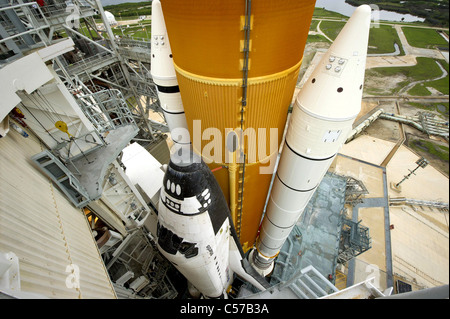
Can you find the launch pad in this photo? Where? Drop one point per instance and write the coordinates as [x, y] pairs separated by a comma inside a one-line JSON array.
[[234, 72], [315, 239]]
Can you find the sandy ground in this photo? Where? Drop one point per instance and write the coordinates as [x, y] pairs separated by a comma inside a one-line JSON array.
[[366, 108], [374, 259], [369, 149], [428, 183], [420, 235], [382, 85], [420, 247], [371, 176], [390, 61]]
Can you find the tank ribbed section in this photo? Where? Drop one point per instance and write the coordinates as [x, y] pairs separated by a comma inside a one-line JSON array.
[[208, 42]]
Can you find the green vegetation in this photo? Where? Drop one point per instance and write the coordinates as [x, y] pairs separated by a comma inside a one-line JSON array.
[[316, 38], [441, 85], [442, 108], [322, 13], [419, 90], [424, 38], [383, 39], [425, 69], [439, 151], [130, 9], [313, 26], [135, 31], [435, 12], [332, 28]]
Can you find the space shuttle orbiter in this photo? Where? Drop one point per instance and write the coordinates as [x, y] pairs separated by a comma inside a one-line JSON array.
[[195, 232]]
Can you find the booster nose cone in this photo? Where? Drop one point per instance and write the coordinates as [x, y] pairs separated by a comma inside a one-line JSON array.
[[353, 37], [335, 88], [158, 23], [164, 76], [162, 69]]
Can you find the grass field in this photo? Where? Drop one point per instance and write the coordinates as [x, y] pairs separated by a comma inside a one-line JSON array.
[[441, 85], [332, 28], [314, 24], [382, 40], [440, 151], [424, 38], [317, 38], [130, 9], [322, 13], [135, 31], [425, 69], [442, 108], [419, 90]]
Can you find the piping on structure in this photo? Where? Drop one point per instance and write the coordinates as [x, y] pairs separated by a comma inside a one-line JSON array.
[[237, 70], [412, 202], [424, 122], [361, 127], [322, 119]]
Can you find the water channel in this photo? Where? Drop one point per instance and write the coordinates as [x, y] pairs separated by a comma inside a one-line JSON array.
[[340, 6]]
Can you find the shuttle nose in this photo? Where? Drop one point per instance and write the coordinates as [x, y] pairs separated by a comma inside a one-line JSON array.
[[364, 9], [184, 158]]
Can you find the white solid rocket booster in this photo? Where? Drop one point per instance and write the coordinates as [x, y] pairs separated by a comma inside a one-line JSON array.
[[322, 118], [164, 76]]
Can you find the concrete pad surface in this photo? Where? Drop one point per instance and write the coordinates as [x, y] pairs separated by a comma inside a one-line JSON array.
[[428, 183], [420, 249]]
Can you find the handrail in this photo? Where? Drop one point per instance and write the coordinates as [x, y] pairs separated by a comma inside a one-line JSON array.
[[35, 28]]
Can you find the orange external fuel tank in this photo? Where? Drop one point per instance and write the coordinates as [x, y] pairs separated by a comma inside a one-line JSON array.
[[237, 64]]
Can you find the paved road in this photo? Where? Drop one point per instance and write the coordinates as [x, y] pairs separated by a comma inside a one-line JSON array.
[[392, 59], [321, 32], [390, 23], [412, 84]]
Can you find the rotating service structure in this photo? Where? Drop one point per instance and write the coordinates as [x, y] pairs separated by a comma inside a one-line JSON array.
[[322, 119], [237, 65]]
